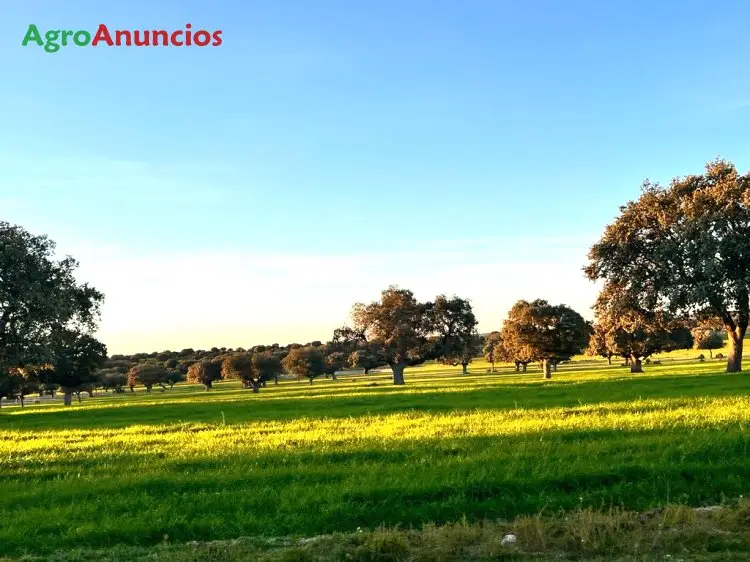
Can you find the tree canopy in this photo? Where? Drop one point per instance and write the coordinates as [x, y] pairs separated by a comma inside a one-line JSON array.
[[400, 324], [634, 332], [41, 304], [539, 331], [683, 249], [309, 362]]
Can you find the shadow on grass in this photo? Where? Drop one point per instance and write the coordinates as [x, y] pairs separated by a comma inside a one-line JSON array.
[[309, 491], [236, 406]]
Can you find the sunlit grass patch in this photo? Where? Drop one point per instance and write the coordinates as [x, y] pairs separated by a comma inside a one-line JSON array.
[[336, 455]]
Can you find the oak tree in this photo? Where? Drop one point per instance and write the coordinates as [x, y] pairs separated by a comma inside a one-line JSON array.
[[309, 362], [493, 349], [543, 332], [683, 249], [400, 325], [39, 295], [456, 340], [205, 372]]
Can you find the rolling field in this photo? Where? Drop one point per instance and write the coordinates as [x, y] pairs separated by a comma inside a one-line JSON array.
[[136, 470]]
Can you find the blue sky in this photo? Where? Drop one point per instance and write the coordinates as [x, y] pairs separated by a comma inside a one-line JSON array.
[[251, 192]]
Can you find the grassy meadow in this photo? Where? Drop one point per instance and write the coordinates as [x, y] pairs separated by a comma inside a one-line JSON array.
[[165, 468]]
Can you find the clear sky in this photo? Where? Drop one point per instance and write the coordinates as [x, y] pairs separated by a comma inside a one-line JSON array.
[[250, 193]]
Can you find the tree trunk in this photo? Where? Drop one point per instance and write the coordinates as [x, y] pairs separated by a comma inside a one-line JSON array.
[[367, 370], [311, 379], [523, 367], [276, 379], [627, 361], [711, 353], [547, 368], [78, 395], [518, 366], [255, 386], [333, 376], [734, 360], [68, 398], [554, 367], [465, 366], [493, 366], [21, 398], [635, 366], [398, 374], [609, 359]]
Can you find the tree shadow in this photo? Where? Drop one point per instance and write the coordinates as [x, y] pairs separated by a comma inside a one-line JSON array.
[[432, 397]]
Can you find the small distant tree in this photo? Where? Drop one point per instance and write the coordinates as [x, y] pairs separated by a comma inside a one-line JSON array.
[[635, 332], [148, 375], [368, 356], [76, 358], [114, 380], [266, 366], [204, 372], [184, 365], [335, 361], [238, 366], [706, 338], [598, 344], [174, 376], [492, 350], [457, 341], [546, 333], [171, 363], [19, 383], [306, 362]]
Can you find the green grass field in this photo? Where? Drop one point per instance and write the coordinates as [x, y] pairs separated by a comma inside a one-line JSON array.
[[137, 470]]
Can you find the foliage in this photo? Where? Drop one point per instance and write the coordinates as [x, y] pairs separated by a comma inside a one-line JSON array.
[[112, 379], [75, 360], [335, 361], [400, 325], [238, 366], [492, 350], [39, 299], [637, 333], [149, 375], [309, 362], [683, 250], [368, 356], [267, 366], [456, 341], [204, 372], [706, 338], [539, 331]]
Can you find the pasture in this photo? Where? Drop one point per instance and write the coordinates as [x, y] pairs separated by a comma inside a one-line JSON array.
[[140, 470]]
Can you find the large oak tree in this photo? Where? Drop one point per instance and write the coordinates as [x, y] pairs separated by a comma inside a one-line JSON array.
[[684, 249], [39, 296], [400, 324]]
